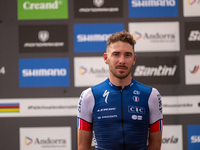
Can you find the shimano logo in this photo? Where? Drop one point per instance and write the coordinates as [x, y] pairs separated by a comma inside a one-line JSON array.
[[194, 35], [41, 6], [153, 3], [155, 71], [92, 37], [195, 139], [44, 72]]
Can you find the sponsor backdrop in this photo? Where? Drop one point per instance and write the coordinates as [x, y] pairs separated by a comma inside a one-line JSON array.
[[51, 50]]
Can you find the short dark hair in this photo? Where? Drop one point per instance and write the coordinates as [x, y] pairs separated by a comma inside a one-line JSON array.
[[122, 36]]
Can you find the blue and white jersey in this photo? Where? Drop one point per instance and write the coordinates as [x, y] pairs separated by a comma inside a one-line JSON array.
[[120, 119]]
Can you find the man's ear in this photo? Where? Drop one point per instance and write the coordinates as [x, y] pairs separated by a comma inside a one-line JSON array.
[[105, 57]]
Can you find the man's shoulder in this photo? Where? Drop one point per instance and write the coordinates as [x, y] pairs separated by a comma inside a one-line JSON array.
[[144, 86], [100, 85]]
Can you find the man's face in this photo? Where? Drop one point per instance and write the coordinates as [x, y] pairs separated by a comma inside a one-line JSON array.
[[120, 59]]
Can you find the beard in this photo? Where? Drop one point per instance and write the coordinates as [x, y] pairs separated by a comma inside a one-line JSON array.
[[121, 74]]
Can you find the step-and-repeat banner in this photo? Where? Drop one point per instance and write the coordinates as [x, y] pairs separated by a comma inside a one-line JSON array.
[[51, 50]]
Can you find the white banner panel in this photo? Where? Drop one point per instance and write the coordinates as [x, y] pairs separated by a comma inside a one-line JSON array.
[[38, 107], [45, 138], [192, 71], [155, 36], [172, 137], [89, 71], [191, 8], [176, 105]]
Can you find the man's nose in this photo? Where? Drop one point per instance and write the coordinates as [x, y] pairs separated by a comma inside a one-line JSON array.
[[122, 59]]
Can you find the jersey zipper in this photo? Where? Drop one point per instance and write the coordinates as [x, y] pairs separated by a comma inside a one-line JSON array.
[[122, 119]]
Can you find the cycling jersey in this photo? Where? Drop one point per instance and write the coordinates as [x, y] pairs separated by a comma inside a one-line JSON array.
[[120, 119]]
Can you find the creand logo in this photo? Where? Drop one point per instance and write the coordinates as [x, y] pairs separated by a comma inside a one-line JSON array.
[[142, 70], [27, 5], [153, 3], [43, 142], [93, 37]]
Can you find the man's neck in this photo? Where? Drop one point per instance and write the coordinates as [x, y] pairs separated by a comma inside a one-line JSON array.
[[120, 82]]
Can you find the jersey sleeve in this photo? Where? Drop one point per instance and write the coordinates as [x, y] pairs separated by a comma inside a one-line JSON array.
[[155, 108], [85, 110]]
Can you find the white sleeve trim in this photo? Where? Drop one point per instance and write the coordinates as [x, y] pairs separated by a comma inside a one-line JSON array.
[[155, 106], [86, 105]]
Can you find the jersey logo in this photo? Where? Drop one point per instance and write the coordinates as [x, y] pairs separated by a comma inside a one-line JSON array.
[[135, 98], [105, 94]]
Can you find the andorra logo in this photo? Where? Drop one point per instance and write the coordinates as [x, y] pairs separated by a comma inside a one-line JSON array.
[[191, 2], [28, 141], [137, 35], [98, 3], [82, 70], [43, 35]]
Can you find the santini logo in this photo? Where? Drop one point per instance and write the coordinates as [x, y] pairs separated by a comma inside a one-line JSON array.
[[153, 3], [92, 37], [44, 72], [195, 69], [194, 35], [41, 6], [155, 71]]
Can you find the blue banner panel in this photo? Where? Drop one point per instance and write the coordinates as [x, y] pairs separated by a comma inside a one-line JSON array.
[[193, 137], [47, 72], [93, 37], [153, 8]]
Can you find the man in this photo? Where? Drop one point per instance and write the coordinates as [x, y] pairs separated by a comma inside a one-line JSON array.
[[120, 113]]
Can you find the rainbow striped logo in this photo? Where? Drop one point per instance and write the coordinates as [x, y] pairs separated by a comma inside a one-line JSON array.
[[9, 108]]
